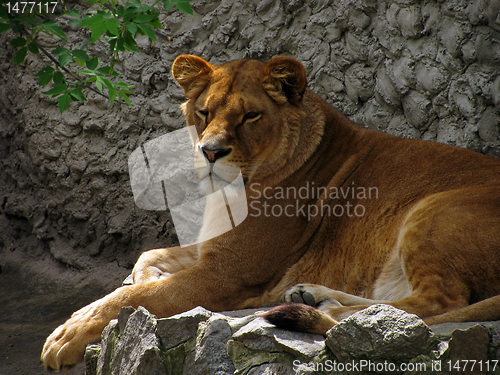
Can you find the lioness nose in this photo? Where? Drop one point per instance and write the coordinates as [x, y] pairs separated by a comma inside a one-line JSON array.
[[216, 153]]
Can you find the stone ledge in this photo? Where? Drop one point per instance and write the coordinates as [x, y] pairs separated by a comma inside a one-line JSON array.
[[239, 342]]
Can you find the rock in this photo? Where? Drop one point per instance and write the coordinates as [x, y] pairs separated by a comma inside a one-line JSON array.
[[210, 355], [180, 328], [402, 74], [431, 76], [129, 346], [489, 125], [452, 35], [272, 369], [263, 336], [460, 355], [381, 332], [359, 82], [410, 21], [239, 342], [417, 109], [384, 88], [464, 99]]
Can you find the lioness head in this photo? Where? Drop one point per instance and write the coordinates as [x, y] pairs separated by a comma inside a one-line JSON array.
[[247, 113]]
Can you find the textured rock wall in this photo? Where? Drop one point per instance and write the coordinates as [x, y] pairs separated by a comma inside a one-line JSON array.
[[426, 69]]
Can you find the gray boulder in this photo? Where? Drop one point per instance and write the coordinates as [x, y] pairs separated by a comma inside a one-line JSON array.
[[381, 332]]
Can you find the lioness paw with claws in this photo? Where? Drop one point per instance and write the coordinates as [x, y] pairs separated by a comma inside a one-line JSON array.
[[65, 347]]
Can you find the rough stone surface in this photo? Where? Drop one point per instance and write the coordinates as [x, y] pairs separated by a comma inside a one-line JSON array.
[[467, 345], [67, 213], [381, 332], [132, 346], [209, 355], [239, 342], [180, 328], [262, 336]]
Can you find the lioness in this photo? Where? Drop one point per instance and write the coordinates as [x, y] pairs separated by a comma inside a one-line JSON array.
[[427, 242]]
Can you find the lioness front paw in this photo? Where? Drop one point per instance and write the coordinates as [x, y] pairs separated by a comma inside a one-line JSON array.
[[311, 294], [65, 347]]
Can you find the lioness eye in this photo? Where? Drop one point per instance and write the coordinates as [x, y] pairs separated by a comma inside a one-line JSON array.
[[202, 114], [251, 116]]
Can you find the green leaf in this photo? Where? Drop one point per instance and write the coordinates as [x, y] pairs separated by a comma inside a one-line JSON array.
[[112, 94], [132, 27], [112, 44], [126, 91], [51, 28], [87, 72], [123, 95], [57, 30], [65, 59], [98, 83], [56, 90], [20, 55], [124, 85], [156, 23], [129, 13], [106, 14], [77, 94], [81, 54], [80, 62], [45, 76], [112, 25], [120, 11], [50, 23], [96, 18], [107, 83], [63, 102], [144, 17], [168, 5], [97, 30], [33, 48], [184, 7], [18, 42], [134, 3], [107, 70], [60, 51], [119, 44], [129, 42], [45, 70], [90, 79], [73, 12], [59, 78], [4, 27], [93, 63], [148, 30]]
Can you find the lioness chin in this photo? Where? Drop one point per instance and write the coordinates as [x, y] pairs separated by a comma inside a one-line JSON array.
[[427, 242]]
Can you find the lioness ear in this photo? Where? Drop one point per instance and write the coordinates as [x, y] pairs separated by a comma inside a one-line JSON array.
[[285, 79], [192, 73]]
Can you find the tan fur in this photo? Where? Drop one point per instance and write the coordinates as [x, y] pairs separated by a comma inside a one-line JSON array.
[[429, 243]]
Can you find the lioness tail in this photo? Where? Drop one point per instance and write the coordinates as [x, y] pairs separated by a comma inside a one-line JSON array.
[[300, 317]]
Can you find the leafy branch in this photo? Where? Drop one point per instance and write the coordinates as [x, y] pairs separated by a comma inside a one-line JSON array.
[[74, 70]]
